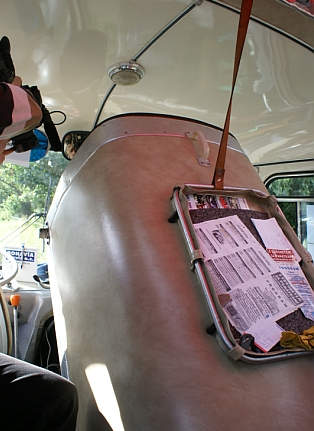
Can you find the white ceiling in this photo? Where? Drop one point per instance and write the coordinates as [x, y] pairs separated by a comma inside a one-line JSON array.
[[66, 47]]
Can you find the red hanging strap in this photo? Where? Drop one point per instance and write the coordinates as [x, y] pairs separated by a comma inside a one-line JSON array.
[[246, 7]]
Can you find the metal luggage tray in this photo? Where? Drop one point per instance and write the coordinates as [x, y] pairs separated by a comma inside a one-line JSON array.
[[220, 324]]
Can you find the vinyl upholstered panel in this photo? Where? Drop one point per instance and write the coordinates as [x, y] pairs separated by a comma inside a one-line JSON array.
[[132, 306]]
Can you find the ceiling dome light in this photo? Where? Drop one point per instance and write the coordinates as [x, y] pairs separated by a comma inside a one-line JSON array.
[[126, 73]]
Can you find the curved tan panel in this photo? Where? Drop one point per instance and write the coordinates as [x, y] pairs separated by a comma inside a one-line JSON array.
[[130, 317]]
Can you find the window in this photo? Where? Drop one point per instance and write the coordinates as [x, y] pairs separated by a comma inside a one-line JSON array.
[[295, 195], [25, 196]]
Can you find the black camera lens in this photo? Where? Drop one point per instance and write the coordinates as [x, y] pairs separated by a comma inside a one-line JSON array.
[[24, 142], [7, 71]]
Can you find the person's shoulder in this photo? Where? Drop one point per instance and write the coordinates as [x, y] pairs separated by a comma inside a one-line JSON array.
[[10, 91], [5, 88], [19, 112]]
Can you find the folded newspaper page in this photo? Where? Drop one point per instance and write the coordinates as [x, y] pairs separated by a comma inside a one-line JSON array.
[[260, 292], [280, 249], [273, 237]]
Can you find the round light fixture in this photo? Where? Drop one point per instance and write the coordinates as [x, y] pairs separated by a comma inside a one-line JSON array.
[[126, 73]]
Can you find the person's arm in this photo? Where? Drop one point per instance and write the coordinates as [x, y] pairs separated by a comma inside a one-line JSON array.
[[19, 113]]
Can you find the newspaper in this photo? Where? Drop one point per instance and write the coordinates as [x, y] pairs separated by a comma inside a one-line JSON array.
[[280, 249], [273, 237], [259, 291], [213, 201]]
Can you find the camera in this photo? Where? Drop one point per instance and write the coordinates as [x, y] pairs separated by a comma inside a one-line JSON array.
[[7, 71]]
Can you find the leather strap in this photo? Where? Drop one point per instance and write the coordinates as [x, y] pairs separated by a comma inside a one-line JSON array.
[[246, 7]]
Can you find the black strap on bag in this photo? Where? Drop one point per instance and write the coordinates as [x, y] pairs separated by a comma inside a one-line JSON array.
[[51, 131], [49, 126], [218, 179]]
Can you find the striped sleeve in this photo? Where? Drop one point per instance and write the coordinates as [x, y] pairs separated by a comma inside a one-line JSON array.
[[18, 111]]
